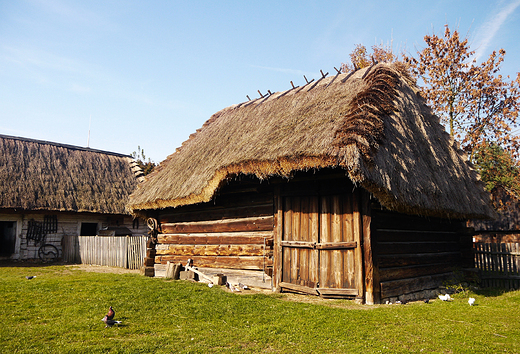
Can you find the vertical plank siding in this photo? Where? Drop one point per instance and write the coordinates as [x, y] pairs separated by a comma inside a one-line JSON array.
[[321, 238], [112, 251], [499, 264], [69, 225]]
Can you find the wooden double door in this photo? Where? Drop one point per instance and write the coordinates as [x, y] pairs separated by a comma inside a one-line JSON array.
[[321, 252]]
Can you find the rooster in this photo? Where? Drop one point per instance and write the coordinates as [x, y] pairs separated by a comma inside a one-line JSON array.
[[111, 313]]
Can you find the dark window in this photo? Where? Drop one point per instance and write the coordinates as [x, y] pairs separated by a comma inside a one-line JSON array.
[[88, 229], [7, 238]]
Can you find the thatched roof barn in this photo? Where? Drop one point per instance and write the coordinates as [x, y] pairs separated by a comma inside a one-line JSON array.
[[51, 193], [372, 124], [347, 186], [41, 175]]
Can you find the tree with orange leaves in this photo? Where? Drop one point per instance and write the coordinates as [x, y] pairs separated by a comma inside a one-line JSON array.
[[478, 105], [360, 59]]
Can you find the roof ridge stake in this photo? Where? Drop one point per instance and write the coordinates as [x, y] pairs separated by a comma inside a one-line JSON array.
[[349, 75], [306, 79], [292, 85], [262, 96], [368, 70], [338, 72], [321, 78], [248, 98]]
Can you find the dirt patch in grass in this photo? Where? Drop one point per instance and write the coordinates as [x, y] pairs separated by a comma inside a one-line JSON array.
[[102, 269]]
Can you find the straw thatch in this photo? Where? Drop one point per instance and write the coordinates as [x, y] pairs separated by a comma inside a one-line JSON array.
[[39, 175], [371, 123]]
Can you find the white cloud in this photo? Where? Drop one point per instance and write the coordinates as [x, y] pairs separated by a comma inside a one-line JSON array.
[[489, 30]]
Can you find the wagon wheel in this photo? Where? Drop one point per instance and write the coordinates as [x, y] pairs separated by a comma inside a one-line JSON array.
[[48, 253]]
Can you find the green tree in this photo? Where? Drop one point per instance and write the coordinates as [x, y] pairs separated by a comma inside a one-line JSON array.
[[498, 168], [140, 158]]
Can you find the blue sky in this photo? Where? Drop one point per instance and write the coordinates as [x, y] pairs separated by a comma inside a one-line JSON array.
[[150, 73]]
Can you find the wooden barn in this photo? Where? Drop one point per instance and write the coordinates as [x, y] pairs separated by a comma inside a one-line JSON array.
[[347, 186], [49, 190]]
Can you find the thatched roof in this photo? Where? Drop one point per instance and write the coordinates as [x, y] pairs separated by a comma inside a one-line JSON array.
[[372, 123], [41, 175]]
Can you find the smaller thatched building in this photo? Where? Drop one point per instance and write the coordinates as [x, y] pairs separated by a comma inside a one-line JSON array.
[[345, 187], [51, 190]]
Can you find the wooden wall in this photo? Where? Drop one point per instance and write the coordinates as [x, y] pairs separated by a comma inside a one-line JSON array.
[[412, 253], [233, 231], [69, 224]]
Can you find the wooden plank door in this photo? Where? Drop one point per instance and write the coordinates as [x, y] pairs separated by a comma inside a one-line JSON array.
[[320, 249]]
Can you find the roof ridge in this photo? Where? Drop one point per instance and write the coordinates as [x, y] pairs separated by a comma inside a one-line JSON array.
[[66, 146]]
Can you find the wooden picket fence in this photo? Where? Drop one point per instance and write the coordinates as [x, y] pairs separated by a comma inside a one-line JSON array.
[[499, 264], [113, 251]]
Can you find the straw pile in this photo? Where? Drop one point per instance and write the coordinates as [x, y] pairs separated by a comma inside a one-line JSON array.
[[38, 175], [371, 123]]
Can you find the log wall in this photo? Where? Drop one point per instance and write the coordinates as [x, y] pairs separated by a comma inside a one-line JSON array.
[[234, 231], [413, 254]]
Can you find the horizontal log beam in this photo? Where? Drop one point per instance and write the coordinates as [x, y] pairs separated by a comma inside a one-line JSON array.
[[403, 260], [223, 238], [298, 244], [262, 223], [227, 262], [411, 285], [321, 245], [298, 288], [414, 271], [210, 250], [415, 236], [336, 245], [337, 292], [386, 248], [215, 213]]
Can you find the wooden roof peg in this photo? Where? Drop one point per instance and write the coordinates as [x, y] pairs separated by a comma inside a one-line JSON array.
[[248, 98], [307, 81], [292, 85], [323, 75], [262, 96], [337, 74]]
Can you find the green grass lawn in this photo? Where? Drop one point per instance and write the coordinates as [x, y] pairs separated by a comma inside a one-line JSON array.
[[60, 311]]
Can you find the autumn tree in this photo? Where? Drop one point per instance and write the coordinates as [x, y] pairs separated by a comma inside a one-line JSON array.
[[140, 158], [360, 58], [477, 104]]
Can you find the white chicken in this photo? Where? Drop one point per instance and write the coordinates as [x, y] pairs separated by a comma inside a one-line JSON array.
[[471, 301], [446, 297]]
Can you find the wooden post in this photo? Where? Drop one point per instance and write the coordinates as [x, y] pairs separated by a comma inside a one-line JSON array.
[[358, 237], [277, 247], [148, 269], [372, 287], [169, 270]]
